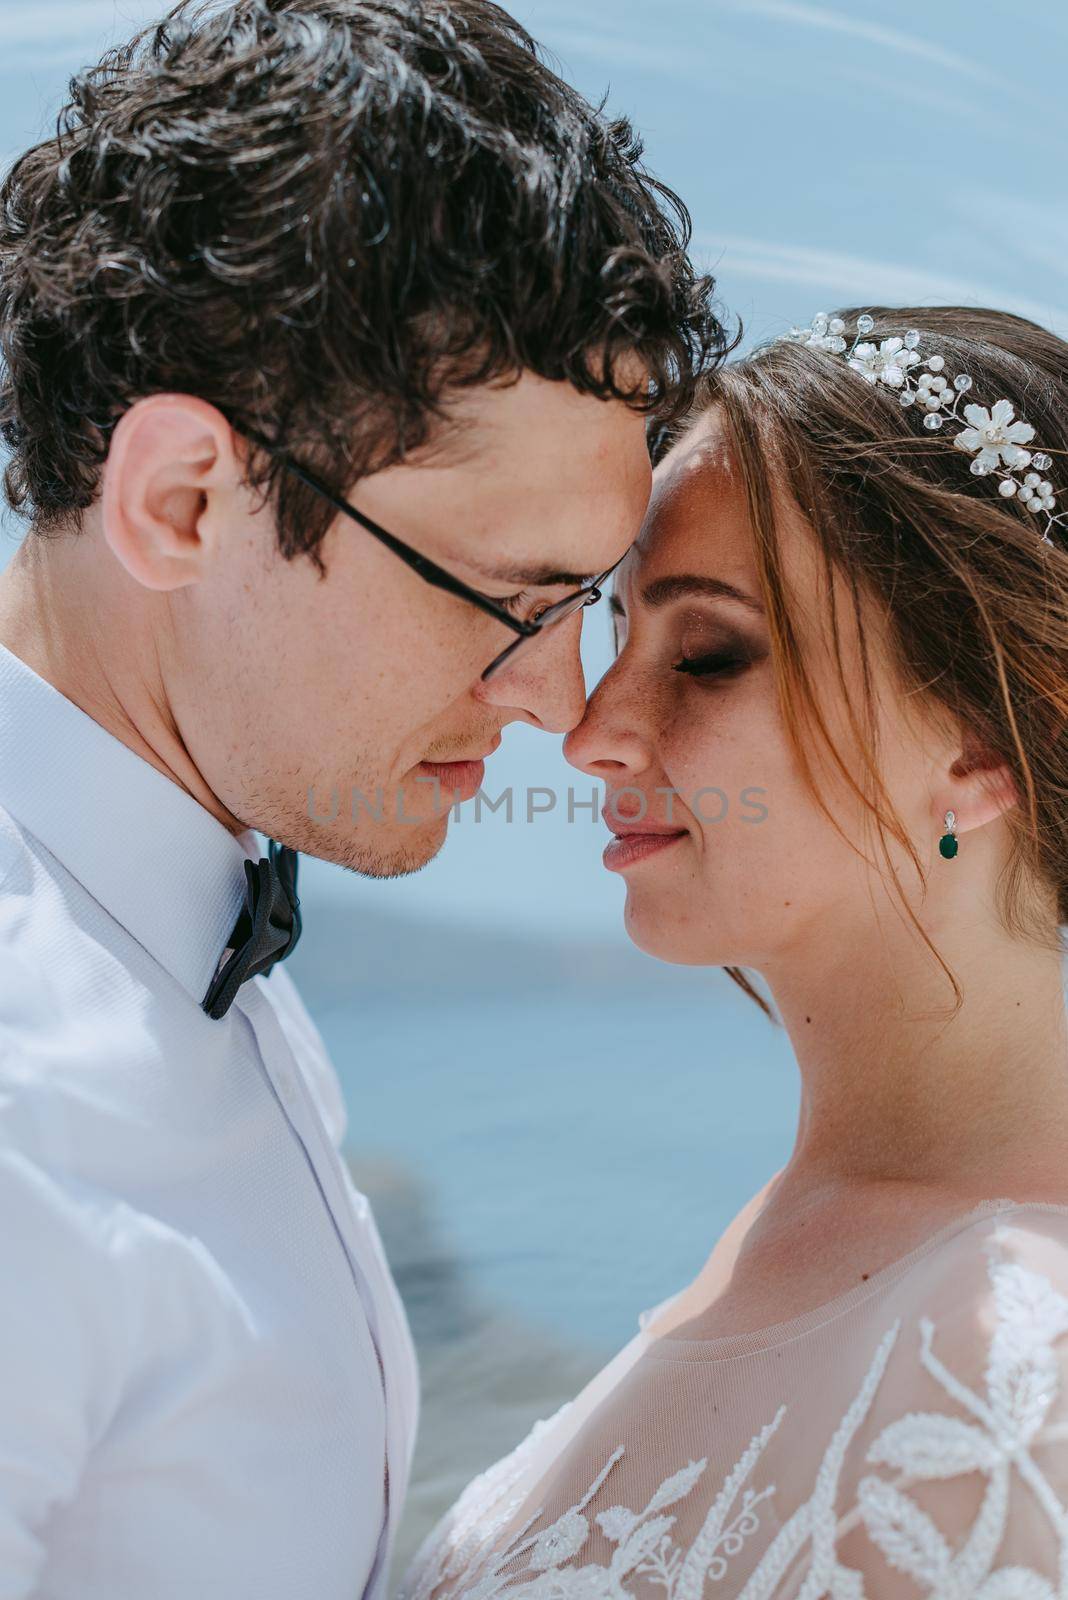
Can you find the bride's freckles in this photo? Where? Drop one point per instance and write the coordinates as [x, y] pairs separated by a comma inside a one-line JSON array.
[[687, 719]]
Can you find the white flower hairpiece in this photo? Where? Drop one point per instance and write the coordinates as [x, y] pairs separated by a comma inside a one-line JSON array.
[[996, 439]]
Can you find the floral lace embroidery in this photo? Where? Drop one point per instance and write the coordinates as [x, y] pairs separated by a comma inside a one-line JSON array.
[[1022, 1381], [475, 1520]]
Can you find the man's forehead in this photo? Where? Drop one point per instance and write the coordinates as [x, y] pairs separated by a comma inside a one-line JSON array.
[[487, 417]]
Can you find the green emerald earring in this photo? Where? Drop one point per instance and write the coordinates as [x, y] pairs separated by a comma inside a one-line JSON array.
[[948, 842]]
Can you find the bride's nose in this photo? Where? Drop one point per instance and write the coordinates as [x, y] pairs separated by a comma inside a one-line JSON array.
[[608, 739]]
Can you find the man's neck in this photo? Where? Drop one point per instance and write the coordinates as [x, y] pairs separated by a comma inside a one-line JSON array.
[[74, 631]]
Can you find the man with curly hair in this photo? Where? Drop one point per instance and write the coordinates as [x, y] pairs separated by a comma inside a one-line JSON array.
[[331, 333]]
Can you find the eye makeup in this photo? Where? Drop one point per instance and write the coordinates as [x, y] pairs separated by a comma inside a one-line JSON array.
[[704, 643], [705, 646], [716, 663]]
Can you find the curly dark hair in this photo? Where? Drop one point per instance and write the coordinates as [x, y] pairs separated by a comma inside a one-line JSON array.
[[321, 216]]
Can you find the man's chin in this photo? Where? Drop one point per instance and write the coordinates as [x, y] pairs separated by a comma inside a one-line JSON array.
[[383, 852]]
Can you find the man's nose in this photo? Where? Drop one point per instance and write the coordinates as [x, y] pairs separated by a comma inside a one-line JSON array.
[[546, 687]]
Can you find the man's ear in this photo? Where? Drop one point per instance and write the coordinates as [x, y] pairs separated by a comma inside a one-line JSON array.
[[168, 454]]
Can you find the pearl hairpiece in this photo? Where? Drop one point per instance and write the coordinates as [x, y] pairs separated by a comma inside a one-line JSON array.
[[994, 438]]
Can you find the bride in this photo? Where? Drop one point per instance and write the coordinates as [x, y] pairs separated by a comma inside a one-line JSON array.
[[850, 597]]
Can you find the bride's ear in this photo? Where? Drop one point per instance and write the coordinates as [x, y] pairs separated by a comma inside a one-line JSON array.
[[980, 784]]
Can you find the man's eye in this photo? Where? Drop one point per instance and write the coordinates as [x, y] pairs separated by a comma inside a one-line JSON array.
[[517, 605]]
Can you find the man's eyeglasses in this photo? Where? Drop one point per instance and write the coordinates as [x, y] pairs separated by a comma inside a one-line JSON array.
[[431, 573]]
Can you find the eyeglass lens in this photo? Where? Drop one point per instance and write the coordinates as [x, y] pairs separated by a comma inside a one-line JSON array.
[[549, 618]]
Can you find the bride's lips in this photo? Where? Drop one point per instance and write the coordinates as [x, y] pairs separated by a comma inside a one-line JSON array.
[[634, 841]]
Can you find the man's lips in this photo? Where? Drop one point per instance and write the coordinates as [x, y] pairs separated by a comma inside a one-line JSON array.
[[459, 779]]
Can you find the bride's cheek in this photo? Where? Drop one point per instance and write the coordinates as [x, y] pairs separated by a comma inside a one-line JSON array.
[[710, 747]]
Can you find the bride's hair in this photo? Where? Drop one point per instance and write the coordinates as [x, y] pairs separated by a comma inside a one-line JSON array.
[[977, 604]]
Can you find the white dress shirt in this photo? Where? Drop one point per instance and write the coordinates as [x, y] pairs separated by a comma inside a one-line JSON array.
[[207, 1383]]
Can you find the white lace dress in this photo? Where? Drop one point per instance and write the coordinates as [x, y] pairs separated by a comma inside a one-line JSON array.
[[908, 1438]]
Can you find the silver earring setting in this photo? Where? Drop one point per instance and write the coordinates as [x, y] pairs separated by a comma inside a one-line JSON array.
[[948, 842]]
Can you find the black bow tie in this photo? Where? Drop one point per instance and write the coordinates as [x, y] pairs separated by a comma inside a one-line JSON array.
[[266, 930]]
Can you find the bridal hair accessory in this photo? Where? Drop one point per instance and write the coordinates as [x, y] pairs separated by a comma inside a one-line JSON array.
[[994, 438], [948, 843]]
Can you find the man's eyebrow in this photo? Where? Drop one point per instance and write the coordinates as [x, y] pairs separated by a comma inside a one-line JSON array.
[[531, 577], [684, 584]]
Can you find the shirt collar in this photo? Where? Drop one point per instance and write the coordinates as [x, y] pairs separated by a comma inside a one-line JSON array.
[[160, 863]]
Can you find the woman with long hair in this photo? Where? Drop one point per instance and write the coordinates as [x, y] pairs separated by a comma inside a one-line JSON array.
[[833, 744]]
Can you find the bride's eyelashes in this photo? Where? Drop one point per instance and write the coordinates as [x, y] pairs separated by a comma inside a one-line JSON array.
[[713, 663], [708, 665], [729, 660]]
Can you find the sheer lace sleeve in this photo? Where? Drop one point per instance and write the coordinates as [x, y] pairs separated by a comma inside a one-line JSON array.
[[957, 1482], [909, 1439]]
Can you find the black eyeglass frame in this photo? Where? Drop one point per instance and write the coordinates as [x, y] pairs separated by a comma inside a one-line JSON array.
[[439, 577]]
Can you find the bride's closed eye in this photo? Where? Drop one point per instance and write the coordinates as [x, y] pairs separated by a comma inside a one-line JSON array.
[[717, 663]]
